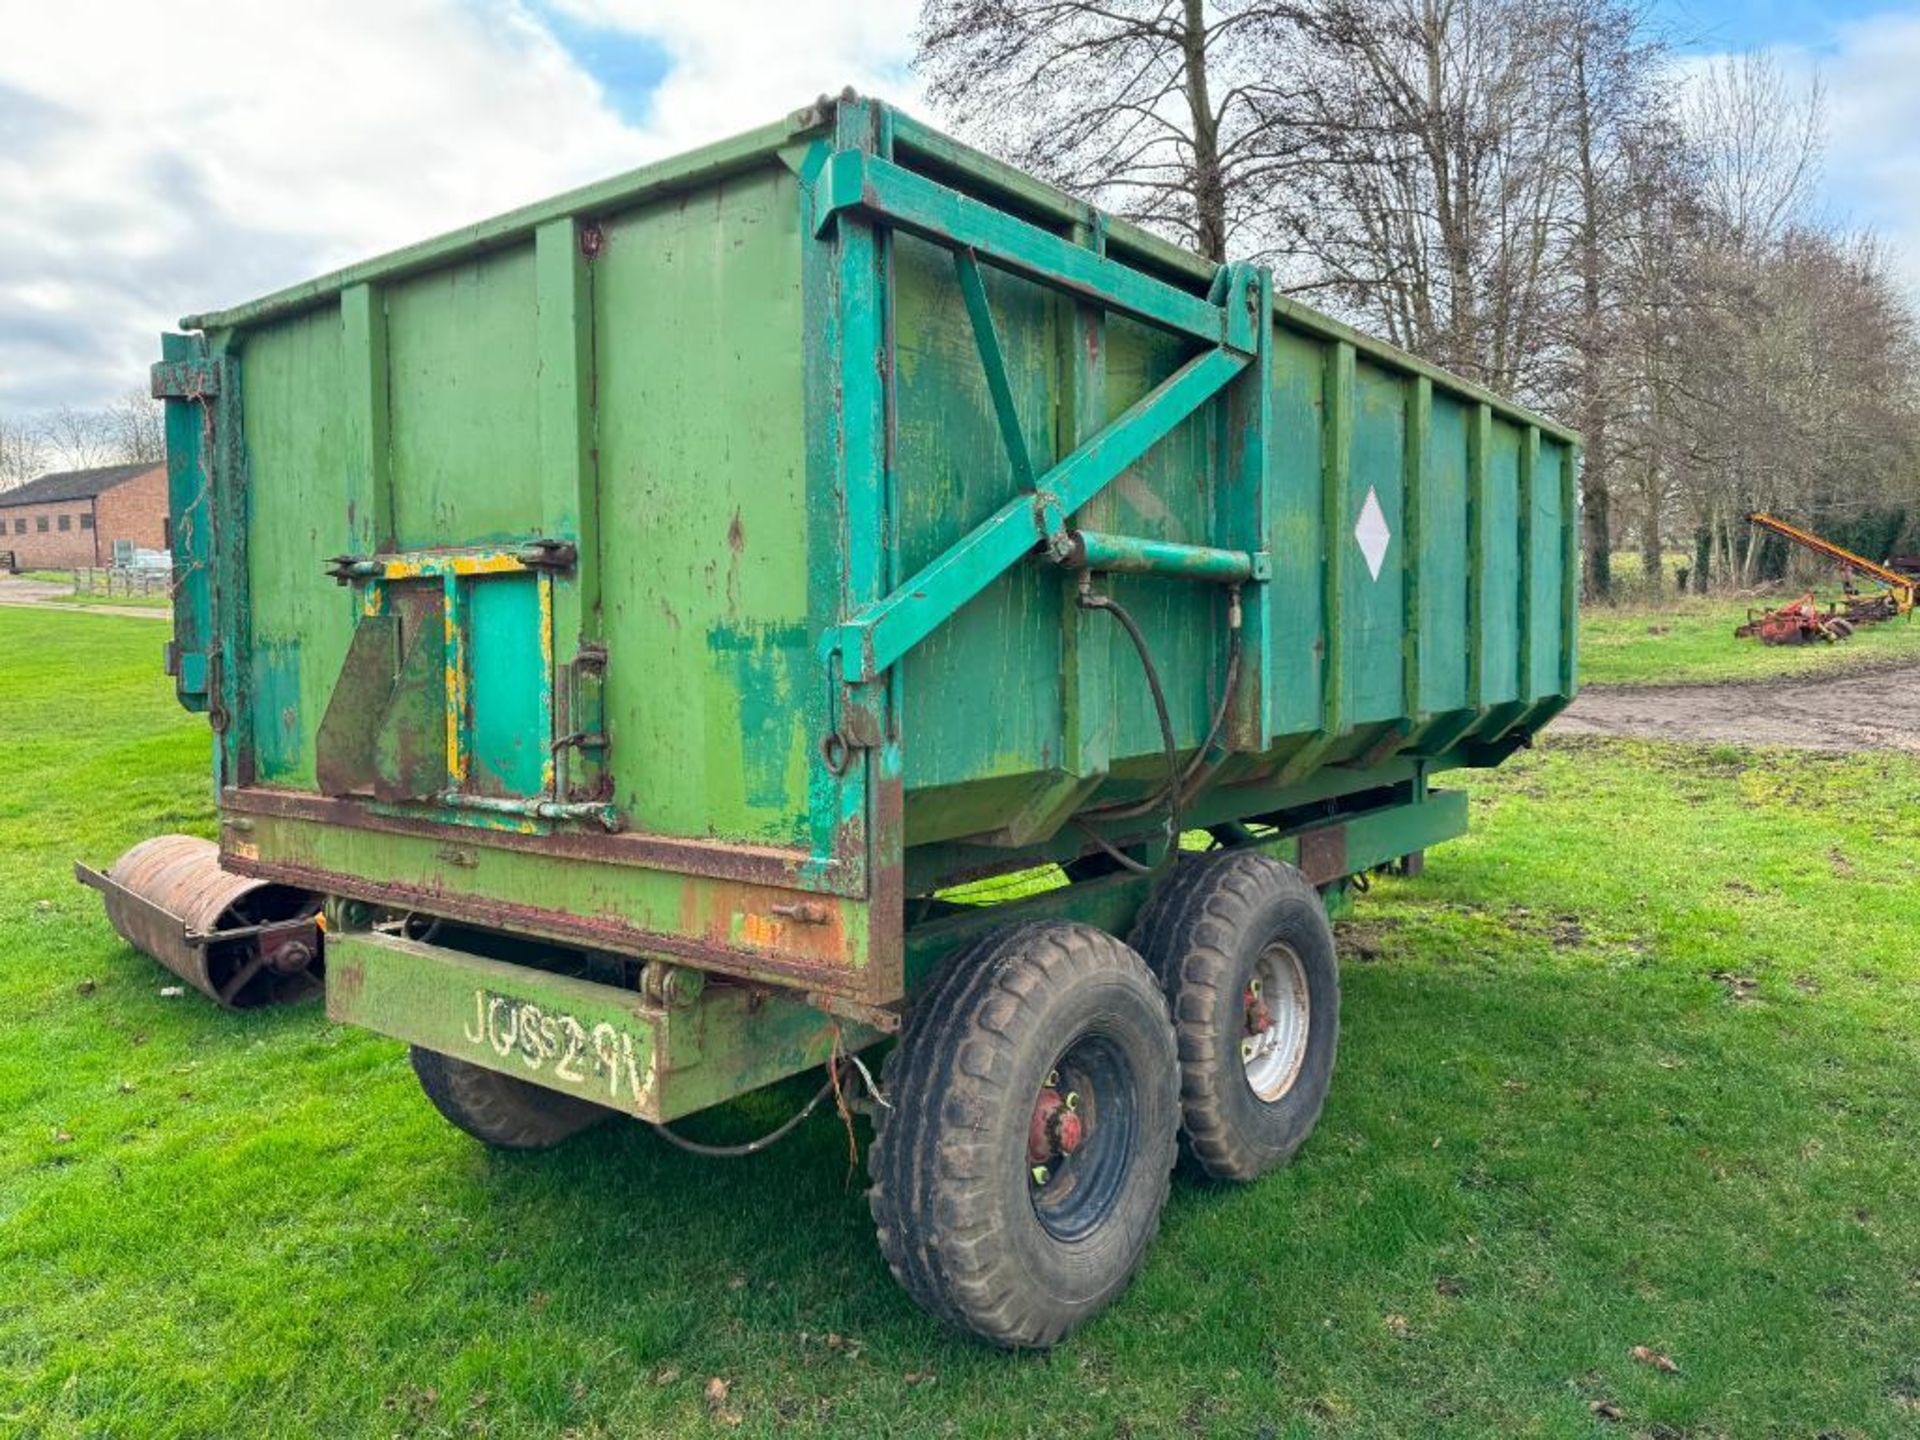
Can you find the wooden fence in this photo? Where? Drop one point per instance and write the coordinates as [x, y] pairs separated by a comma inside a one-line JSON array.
[[90, 581]]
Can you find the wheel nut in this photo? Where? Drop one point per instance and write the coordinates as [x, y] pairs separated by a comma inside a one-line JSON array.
[[1039, 1174]]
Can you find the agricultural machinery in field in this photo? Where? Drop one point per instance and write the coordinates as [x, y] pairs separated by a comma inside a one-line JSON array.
[[1804, 621]]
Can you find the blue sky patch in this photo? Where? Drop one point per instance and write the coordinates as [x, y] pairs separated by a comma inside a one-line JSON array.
[[1717, 25], [627, 65]]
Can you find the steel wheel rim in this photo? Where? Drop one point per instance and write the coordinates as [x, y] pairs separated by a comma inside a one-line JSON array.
[[1273, 1041], [1073, 1194]]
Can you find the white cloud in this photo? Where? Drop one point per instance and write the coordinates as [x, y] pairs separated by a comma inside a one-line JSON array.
[[155, 160], [738, 62], [1873, 160], [1870, 71]]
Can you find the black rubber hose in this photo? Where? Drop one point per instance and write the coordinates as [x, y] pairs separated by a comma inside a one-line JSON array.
[[1198, 770], [1089, 600], [751, 1147], [1128, 809], [1113, 852], [1189, 778]]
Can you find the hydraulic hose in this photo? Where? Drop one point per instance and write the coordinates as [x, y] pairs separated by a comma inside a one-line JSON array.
[[751, 1147], [1090, 600], [1187, 784]]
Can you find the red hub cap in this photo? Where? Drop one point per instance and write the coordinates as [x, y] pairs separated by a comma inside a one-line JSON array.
[[1056, 1128], [1259, 1018]]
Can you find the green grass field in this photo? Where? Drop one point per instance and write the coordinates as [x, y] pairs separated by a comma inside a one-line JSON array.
[[96, 597], [1636, 1064], [1689, 640]]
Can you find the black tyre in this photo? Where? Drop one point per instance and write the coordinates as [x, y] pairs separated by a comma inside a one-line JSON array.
[[500, 1110], [1019, 1176], [1242, 944]]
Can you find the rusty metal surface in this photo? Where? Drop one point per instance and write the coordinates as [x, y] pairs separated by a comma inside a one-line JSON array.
[[857, 994], [747, 864], [242, 942], [1323, 853], [1801, 623]]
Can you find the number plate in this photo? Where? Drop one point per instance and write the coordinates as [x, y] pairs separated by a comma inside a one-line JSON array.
[[599, 1042], [594, 1058]]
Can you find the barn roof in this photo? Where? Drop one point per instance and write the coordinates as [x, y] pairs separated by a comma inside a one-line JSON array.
[[73, 485]]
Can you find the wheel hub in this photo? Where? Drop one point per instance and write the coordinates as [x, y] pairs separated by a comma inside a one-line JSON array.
[[1273, 1037], [1259, 1017], [1056, 1129]]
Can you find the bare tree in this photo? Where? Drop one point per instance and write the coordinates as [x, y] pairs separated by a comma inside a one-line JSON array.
[[78, 439], [22, 454], [1520, 190], [1765, 358], [1620, 170], [1169, 112], [128, 431], [136, 425], [1761, 139], [1437, 179], [1655, 292]]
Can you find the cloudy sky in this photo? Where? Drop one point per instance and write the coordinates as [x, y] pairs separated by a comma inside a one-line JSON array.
[[157, 159]]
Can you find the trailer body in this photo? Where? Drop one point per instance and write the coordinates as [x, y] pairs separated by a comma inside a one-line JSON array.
[[670, 596]]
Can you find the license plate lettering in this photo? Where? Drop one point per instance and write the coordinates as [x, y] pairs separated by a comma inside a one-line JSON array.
[[603, 1058]]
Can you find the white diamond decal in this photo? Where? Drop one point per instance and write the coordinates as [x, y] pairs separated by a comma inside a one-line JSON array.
[[1372, 533]]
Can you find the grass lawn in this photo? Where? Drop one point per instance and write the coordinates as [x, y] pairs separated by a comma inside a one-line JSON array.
[[1636, 1064], [159, 601], [1688, 640]]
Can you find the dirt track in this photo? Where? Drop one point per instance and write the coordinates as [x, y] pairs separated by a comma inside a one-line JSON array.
[[1867, 710], [43, 595]]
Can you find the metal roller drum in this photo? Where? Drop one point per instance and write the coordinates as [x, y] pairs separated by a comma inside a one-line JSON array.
[[244, 943]]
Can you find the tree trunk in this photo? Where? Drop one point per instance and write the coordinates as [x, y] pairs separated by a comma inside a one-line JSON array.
[[1598, 527], [1652, 557], [1209, 185], [1702, 558], [1750, 560], [1596, 537]]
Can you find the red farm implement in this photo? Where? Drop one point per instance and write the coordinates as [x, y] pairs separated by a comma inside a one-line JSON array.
[[1800, 623]]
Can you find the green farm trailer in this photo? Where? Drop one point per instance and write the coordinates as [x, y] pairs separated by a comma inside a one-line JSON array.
[[832, 589]]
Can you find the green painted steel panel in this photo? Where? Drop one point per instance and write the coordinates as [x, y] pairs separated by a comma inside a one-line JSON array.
[[1373, 605], [713, 692], [297, 468], [1299, 556], [461, 366], [1443, 547], [951, 473], [1500, 640], [1169, 495], [1545, 618], [511, 734]]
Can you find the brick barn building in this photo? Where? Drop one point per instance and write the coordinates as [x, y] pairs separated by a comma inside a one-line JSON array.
[[72, 519]]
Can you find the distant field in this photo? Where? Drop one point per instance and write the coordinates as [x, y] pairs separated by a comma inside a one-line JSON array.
[[1630, 572], [1689, 640], [159, 601], [1633, 1065]]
